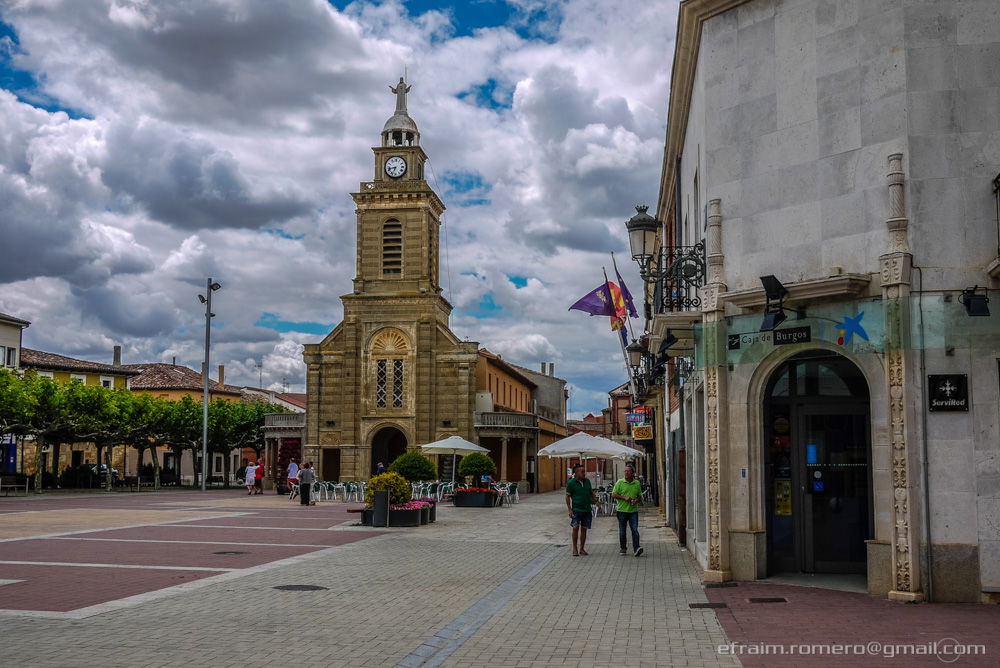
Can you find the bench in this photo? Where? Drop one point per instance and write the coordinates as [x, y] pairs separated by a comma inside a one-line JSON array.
[[15, 482]]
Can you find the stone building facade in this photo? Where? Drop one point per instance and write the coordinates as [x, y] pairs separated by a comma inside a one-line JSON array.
[[843, 419], [391, 375]]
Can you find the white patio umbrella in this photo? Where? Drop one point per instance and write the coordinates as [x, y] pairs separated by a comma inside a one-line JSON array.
[[583, 445], [454, 446]]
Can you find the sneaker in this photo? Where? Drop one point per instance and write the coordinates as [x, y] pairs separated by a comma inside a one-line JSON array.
[[623, 551], [638, 552]]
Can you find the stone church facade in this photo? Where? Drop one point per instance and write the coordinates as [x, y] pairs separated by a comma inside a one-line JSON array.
[[391, 375]]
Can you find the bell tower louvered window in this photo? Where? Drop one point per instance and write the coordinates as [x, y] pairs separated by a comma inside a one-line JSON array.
[[392, 248]]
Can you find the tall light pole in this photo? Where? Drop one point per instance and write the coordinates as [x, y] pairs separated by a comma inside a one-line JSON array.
[[210, 287]]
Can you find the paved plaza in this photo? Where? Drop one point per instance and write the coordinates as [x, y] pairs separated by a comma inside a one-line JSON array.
[[189, 579]]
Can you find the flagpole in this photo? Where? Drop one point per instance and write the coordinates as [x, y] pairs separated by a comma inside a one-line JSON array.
[[628, 319], [621, 342]]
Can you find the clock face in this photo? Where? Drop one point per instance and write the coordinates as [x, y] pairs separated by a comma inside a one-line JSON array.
[[395, 167]]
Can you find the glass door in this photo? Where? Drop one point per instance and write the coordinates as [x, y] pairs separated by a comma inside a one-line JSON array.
[[831, 474]]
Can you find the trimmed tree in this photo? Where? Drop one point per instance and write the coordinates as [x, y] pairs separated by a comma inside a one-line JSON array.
[[476, 465], [414, 467]]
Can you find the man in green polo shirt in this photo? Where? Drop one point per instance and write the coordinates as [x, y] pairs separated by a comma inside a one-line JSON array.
[[628, 491], [580, 497]]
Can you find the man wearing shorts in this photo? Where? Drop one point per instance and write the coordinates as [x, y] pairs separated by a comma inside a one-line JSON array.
[[580, 497]]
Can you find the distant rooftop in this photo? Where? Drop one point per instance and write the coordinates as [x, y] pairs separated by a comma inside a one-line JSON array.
[[37, 359], [163, 376]]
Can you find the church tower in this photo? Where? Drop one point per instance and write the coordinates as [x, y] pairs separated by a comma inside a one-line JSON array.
[[392, 375]]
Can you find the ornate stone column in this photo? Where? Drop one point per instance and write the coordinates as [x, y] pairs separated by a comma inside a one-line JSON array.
[[896, 266], [715, 399]]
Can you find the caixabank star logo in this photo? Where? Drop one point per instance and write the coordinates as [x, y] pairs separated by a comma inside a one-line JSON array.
[[849, 327]]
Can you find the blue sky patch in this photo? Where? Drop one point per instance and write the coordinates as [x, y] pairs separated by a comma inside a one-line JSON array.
[[466, 189], [23, 84], [490, 95], [285, 235], [518, 281], [271, 321], [487, 308]]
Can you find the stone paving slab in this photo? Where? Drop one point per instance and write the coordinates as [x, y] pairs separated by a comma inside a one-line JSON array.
[[491, 587], [46, 522], [62, 588], [248, 534]]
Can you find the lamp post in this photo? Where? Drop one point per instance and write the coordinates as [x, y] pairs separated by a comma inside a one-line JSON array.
[[210, 287]]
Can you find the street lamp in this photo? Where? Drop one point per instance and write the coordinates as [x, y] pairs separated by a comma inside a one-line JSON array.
[[210, 287], [643, 240]]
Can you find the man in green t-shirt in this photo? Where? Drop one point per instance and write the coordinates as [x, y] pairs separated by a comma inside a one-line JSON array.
[[580, 497], [628, 491]]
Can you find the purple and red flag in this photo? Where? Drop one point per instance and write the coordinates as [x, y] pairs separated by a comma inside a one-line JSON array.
[[597, 302]]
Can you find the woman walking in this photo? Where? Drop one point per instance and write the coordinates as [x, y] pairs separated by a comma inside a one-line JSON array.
[[250, 478]]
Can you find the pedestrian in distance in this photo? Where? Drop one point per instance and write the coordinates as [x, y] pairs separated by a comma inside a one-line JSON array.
[[259, 477], [250, 478], [628, 491], [580, 497], [380, 469], [306, 478], [293, 472]]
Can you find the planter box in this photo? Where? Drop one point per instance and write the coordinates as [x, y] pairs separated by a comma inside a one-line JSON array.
[[366, 517], [404, 518], [474, 499], [425, 515], [434, 510]]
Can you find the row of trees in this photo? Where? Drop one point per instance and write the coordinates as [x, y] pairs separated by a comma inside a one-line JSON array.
[[52, 413]]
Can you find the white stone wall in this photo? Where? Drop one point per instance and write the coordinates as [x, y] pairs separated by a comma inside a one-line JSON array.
[[795, 107]]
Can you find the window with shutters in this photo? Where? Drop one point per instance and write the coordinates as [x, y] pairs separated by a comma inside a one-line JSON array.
[[392, 248]]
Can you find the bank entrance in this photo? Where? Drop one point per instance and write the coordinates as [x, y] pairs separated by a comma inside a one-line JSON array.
[[818, 466]]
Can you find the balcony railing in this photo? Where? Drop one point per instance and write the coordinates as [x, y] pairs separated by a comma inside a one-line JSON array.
[[508, 420], [284, 420], [682, 272]]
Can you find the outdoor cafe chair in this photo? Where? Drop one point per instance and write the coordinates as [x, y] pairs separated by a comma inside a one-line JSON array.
[[317, 491], [293, 490]]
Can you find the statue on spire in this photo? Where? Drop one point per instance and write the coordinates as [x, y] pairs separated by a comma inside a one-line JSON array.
[[401, 90]]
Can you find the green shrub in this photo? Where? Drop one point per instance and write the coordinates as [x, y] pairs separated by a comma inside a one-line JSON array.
[[476, 465], [414, 467], [399, 490]]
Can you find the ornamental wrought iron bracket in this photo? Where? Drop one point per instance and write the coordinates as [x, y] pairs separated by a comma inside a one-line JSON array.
[[683, 271]]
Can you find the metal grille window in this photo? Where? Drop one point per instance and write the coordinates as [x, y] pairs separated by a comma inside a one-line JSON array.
[[397, 383], [392, 248], [381, 383]]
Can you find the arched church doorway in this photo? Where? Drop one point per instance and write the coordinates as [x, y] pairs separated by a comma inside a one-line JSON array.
[[817, 463], [388, 443]]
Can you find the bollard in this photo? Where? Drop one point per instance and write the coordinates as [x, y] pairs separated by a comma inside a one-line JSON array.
[[380, 507]]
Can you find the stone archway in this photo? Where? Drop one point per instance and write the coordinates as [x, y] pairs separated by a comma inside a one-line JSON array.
[[388, 443], [817, 465]]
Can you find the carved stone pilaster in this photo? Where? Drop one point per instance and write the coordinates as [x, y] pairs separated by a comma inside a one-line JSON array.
[[713, 243], [896, 266], [714, 487], [897, 222]]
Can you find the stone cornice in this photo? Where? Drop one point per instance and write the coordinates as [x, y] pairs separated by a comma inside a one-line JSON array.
[[843, 285], [690, 17]]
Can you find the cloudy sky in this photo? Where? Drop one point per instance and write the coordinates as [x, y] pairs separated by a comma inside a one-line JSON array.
[[146, 145]]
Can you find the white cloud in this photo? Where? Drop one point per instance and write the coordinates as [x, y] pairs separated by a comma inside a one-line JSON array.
[[222, 138]]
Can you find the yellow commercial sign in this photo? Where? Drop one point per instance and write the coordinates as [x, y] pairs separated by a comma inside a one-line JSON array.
[[642, 432]]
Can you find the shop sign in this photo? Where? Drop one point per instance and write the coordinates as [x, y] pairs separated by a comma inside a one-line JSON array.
[[642, 432], [789, 335], [635, 418], [948, 392]]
